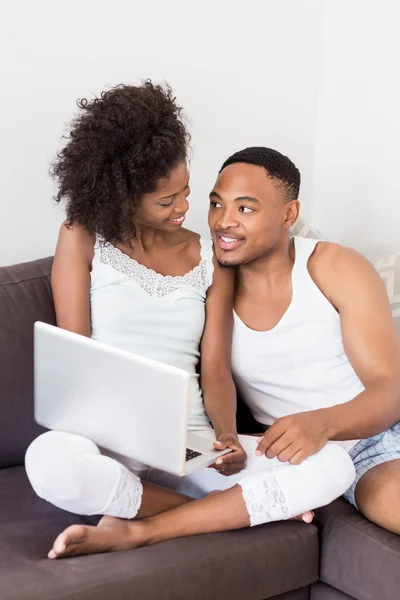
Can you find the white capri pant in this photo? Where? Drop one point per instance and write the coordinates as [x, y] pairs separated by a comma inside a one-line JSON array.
[[70, 472]]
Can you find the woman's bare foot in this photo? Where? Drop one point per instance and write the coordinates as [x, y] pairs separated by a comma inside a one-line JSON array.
[[307, 517], [110, 535]]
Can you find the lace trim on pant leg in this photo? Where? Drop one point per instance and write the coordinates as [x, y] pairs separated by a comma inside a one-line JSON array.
[[127, 497], [264, 498]]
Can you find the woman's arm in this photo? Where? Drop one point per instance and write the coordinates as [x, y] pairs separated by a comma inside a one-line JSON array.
[[216, 378], [70, 278]]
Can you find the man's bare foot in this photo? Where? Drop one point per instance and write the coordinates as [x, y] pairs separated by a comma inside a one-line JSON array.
[[110, 535]]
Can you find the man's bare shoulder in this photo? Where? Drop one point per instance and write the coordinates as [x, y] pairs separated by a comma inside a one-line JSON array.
[[340, 271], [337, 259]]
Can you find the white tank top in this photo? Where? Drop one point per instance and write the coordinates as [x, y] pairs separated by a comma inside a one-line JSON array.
[[300, 364], [161, 317]]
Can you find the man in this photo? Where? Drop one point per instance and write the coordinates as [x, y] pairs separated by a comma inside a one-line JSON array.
[[315, 339], [316, 358]]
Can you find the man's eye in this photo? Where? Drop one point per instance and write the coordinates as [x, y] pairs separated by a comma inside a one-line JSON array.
[[245, 209], [215, 204]]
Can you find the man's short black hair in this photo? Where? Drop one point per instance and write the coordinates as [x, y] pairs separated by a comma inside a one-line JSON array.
[[278, 167]]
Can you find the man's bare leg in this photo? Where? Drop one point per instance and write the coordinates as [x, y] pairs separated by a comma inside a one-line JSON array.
[[378, 495]]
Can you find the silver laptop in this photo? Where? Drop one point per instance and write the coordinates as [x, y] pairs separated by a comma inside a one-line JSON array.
[[125, 403]]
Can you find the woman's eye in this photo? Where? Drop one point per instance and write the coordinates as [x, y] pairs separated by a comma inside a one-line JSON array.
[[166, 204], [245, 209]]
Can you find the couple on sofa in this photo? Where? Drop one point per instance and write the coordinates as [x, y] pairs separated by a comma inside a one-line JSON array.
[[304, 326]]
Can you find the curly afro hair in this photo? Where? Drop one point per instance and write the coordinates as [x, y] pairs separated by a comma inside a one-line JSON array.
[[279, 167], [119, 146]]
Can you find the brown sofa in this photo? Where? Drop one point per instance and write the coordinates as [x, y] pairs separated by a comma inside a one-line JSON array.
[[343, 556]]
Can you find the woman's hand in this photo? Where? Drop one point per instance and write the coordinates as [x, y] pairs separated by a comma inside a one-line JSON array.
[[234, 461]]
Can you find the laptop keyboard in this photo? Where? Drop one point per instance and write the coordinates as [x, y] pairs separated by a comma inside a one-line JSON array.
[[191, 454]]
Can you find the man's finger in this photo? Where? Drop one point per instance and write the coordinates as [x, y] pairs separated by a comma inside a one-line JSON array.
[[270, 436], [279, 446], [288, 453], [298, 458]]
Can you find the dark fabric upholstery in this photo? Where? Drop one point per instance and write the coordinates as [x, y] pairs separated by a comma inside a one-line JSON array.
[[303, 594], [357, 557], [249, 564], [25, 297], [321, 591]]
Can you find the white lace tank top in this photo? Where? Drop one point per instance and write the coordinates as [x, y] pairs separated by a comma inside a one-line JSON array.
[[161, 317]]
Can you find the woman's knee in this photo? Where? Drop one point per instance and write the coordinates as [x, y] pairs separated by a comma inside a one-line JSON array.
[[334, 465], [292, 490], [52, 461]]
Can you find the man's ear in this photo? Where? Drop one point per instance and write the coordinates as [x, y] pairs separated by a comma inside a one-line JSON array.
[[292, 210]]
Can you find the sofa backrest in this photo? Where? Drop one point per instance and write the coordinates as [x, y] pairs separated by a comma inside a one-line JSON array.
[[25, 297]]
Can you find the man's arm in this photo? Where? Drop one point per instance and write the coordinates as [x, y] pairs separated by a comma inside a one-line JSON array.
[[357, 292]]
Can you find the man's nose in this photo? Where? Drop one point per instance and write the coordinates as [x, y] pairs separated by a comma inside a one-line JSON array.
[[226, 220]]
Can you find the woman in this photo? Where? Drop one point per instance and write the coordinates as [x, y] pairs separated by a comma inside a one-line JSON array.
[[127, 273]]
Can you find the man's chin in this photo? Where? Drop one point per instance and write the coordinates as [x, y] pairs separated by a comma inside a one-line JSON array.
[[227, 264]]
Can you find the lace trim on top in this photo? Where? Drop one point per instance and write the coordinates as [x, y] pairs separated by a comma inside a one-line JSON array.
[[264, 498], [155, 284]]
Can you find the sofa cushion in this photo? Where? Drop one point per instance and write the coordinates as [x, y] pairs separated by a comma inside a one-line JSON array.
[[321, 591], [25, 297], [256, 563], [357, 557]]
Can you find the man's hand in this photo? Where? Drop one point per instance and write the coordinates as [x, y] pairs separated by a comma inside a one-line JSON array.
[[233, 462], [296, 437]]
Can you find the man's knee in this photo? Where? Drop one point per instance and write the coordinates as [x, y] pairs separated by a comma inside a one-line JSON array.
[[377, 495]]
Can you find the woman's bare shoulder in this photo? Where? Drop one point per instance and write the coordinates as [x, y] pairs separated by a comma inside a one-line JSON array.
[[75, 240]]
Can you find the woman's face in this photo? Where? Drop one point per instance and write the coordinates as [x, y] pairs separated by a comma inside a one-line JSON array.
[[166, 207]]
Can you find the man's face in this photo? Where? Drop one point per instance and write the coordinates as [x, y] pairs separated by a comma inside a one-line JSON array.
[[248, 215]]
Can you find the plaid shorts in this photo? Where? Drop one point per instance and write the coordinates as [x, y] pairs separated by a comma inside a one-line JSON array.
[[371, 452]]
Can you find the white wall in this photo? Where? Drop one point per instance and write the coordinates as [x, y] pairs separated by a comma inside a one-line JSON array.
[[356, 195], [247, 73]]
